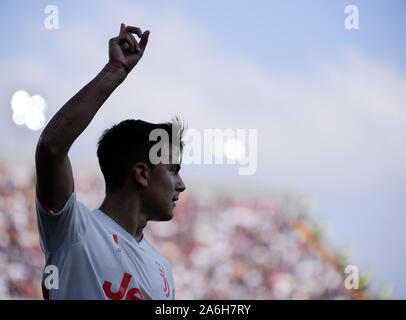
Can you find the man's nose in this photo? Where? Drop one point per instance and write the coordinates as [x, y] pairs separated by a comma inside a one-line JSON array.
[[180, 186]]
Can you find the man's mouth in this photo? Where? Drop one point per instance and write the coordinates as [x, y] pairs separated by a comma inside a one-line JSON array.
[[173, 201]]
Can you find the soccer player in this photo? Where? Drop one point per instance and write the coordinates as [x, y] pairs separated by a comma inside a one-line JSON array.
[[102, 254]]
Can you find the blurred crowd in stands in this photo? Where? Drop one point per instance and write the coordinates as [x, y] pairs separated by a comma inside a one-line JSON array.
[[219, 246]]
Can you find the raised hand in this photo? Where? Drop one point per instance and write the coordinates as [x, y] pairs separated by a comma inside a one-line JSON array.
[[125, 50]]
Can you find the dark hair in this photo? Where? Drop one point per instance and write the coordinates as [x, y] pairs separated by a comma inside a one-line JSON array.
[[127, 143]]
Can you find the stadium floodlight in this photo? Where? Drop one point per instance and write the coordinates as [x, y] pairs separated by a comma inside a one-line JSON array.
[[34, 119], [18, 118], [28, 110], [38, 102], [233, 149], [20, 101]]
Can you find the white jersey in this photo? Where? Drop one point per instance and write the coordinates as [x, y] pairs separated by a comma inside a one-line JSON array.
[[96, 258]]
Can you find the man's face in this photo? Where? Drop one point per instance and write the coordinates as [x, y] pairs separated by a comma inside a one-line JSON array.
[[165, 185]]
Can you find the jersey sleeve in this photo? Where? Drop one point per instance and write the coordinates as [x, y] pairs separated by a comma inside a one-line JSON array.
[[61, 229]]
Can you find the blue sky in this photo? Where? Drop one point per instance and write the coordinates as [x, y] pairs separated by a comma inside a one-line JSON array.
[[281, 36], [328, 102], [286, 35]]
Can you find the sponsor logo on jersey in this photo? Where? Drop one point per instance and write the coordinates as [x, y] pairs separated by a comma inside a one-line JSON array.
[[132, 294]]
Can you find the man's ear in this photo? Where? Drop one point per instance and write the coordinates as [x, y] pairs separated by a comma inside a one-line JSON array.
[[141, 173]]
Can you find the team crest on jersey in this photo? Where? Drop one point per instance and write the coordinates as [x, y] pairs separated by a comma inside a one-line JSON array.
[[166, 283], [116, 241]]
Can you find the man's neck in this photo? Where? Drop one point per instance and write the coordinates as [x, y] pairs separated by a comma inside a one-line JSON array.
[[126, 212]]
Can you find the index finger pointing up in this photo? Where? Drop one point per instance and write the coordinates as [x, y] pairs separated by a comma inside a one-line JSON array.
[[135, 30], [144, 40]]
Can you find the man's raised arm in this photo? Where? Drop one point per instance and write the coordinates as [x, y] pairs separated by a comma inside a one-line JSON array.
[[53, 168]]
